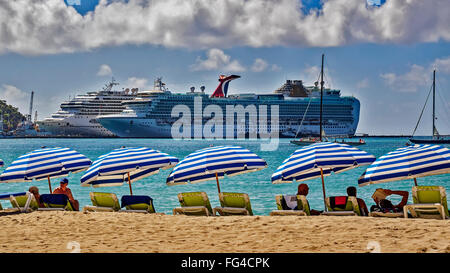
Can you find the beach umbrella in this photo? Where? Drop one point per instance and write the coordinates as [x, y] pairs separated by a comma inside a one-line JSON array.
[[45, 163], [213, 163], [319, 160], [126, 165], [408, 163]]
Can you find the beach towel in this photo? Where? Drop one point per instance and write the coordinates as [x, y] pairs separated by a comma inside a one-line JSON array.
[[127, 200], [54, 199], [338, 202], [289, 202]]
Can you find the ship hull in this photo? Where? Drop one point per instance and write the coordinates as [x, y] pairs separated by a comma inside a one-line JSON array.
[[430, 141]]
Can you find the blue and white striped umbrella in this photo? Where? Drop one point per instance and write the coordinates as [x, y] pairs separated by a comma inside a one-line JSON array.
[[408, 163], [126, 165], [307, 162], [45, 164], [214, 162], [319, 160]]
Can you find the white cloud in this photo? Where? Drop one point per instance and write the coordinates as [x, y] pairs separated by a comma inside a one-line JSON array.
[[104, 70], [15, 97], [364, 83], [275, 67], [141, 83], [49, 27], [259, 65], [418, 76], [217, 60]]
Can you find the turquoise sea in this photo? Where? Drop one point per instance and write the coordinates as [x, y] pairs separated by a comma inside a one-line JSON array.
[[257, 184]]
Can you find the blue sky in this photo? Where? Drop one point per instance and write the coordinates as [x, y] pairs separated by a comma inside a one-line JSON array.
[[386, 65]]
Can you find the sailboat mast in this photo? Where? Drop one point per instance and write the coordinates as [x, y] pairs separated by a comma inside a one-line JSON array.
[[434, 101], [321, 98]]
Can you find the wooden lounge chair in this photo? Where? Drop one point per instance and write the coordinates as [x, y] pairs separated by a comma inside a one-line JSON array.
[[194, 203], [232, 203], [429, 202], [290, 200], [103, 201], [137, 203], [351, 207], [55, 202]]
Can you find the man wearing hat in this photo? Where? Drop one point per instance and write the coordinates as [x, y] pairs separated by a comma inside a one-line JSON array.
[[63, 189]]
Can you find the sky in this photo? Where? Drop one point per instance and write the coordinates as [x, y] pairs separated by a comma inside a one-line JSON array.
[[381, 52]]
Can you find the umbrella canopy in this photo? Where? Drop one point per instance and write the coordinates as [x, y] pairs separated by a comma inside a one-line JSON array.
[[407, 163], [319, 160], [307, 162], [126, 164], [214, 162], [45, 164]]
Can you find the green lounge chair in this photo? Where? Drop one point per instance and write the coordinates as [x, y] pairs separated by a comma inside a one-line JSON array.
[[23, 203], [429, 202], [53, 202], [103, 201], [289, 212], [137, 203], [351, 207], [232, 203], [194, 203]]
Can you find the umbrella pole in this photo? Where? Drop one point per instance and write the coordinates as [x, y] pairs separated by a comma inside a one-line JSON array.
[[415, 182], [49, 184], [129, 184], [323, 189], [217, 180]]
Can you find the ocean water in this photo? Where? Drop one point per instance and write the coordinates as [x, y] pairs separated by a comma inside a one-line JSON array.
[[257, 184]]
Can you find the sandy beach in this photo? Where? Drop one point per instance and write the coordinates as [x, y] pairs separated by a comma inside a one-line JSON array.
[[133, 232]]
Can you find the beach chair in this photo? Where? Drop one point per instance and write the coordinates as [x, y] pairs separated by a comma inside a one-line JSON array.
[[103, 201], [194, 203], [232, 203], [25, 202], [53, 202], [137, 203], [429, 202], [286, 205], [342, 206]]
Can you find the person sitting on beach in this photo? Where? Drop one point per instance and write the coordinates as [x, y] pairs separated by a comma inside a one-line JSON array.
[[35, 191], [351, 191], [385, 205], [303, 189], [63, 189]]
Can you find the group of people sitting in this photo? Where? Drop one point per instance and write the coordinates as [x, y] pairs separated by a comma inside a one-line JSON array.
[[379, 197], [62, 189]]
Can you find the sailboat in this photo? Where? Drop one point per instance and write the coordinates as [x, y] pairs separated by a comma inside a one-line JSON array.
[[435, 137], [311, 140]]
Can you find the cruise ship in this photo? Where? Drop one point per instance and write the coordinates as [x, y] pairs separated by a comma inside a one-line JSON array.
[[150, 114], [77, 117]]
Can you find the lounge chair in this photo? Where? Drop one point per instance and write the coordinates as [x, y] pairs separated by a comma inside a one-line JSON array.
[[25, 202], [287, 203], [137, 203], [103, 201], [232, 203], [342, 206], [55, 202], [429, 202], [194, 203]]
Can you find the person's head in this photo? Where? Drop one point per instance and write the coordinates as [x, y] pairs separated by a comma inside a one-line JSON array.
[[351, 191], [386, 204], [64, 182], [303, 189], [34, 190]]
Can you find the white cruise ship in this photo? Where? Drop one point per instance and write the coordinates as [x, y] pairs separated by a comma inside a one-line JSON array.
[[77, 117]]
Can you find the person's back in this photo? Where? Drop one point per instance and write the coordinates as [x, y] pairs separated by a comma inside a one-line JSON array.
[[351, 191], [63, 189], [303, 189], [35, 191]]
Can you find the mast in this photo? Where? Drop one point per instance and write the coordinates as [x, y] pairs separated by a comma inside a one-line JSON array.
[[321, 98], [434, 101]]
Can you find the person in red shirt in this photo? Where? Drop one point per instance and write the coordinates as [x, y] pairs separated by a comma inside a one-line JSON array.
[[63, 189]]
